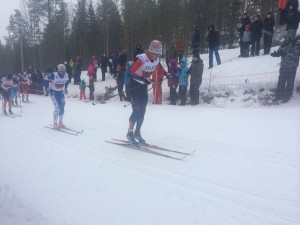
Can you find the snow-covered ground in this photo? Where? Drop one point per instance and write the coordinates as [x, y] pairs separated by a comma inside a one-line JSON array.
[[246, 169]]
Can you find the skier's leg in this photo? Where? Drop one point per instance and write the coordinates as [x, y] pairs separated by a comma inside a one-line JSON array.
[[56, 108], [290, 80]]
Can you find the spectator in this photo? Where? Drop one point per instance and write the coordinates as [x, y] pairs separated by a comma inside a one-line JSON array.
[[196, 41], [213, 45], [138, 51], [196, 71], [268, 30], [95, 64], [246, 41], [289, 51], [180, 49], [173, 81], [256, 30], [245, 20], [104, 62], [292, 16], [183, 80], [171, 54], [82, 88]]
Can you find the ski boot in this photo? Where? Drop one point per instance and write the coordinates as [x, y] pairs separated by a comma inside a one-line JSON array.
[[55, 125], [61, 125], [4, 112], [16, 103], [131, 138], [10, 112], [138, 136]]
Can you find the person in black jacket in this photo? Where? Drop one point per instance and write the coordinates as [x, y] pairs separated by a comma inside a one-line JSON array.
[[256, 29], [213, 45], [245, 20], [196, 41], [104, 62], [292, 16], [268, 30], [138, 51], [121, 68]]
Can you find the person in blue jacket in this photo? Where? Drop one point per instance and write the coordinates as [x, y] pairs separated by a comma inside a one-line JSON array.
[[183, 80]]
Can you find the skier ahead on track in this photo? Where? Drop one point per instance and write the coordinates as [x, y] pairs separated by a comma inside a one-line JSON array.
[[58, 81], [141, 70]]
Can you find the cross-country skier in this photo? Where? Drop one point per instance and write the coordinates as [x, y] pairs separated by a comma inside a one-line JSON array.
[[58, 80], [141, 70], [6, 84]]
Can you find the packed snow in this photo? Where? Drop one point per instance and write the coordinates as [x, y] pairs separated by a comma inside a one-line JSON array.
[[246, 169]]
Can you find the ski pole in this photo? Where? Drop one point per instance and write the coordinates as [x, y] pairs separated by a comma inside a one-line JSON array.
[[99, 102]]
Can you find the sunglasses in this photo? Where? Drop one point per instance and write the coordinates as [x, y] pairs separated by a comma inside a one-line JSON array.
[[156, 54]]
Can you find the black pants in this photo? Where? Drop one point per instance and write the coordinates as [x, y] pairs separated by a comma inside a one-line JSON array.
[[267, 43], [173, 95], [103, 71], [285, 85], [120, 83], [139, 101], [95, 74], [245, 49], [92, 89], [255, 46], [194, 93], [182, 94]]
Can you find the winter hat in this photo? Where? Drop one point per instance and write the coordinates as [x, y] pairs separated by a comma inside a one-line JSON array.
[[211, 26], [61, 67], [184, 60], [196, 54], [156, 47]]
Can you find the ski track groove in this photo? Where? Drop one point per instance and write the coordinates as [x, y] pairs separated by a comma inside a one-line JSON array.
[[169, 183]]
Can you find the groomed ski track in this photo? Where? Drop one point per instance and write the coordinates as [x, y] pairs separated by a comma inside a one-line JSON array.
[[231, 179]]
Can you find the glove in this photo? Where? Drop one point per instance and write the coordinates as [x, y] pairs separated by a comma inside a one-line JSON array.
[[160, 81], [147, 80], [274, 54], [169, 75]]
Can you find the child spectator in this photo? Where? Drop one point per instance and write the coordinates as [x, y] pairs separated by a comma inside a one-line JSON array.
[[91, 70], [245, 20], [82, 88], [196, 71], [183, 80], [246, 41]]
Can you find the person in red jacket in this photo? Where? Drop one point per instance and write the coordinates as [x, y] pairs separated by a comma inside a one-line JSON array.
[[141, 71], [157, 79]]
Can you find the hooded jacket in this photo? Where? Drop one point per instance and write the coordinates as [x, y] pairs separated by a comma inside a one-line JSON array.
[[212, 37], [173, 70], [182, 73]]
